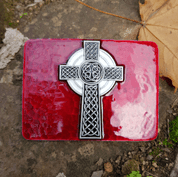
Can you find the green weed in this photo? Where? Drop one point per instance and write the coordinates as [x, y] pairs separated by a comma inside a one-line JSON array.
[[173, 129], [135, 174]]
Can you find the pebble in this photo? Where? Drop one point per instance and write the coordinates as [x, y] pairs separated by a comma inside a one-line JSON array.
[[143, 168], [100, 161], [155, 164], [36, 1], [111, 160], [166, 150], [118, 160], [26, 2], [30, 8], [144, 163], [174, 114], [150, 151], [169, 111], [149, 144], [134, 152], [149, 157], [171, 165], [130, 155], [61, 175], [97, 173], [142, 149], [18, 7]]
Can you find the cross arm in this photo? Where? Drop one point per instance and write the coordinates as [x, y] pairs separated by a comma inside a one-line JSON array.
[[68, 72], [114, 73]]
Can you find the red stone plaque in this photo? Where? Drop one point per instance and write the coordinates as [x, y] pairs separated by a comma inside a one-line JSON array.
[[102, 90]]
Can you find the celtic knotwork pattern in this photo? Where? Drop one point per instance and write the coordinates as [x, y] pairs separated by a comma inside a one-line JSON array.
[[69, 72], [91, 72], [90, 115], [91, 51], [115, 73]]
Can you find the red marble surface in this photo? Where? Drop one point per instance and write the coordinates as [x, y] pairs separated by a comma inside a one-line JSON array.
[[51, 110]]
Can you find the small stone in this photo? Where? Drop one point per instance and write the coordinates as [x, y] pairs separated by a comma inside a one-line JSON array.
[[174, 114], [143, 173], [149, 144], [100, 161], [142, 149], [130, 155], [26, 2], [142, 159], [144, 163], [153, 169], [61, 175], [17, 21], [134, 152], [155, 164], [171, 165], [97, 173], [143, 168], [111, 160], [118, 160], [129, 166], [169, 111], [36, 1], [18, 7], [150, 151], [41, 3], [30, 8], [149, 157], [166, 158], [165, 154], [108, 167]]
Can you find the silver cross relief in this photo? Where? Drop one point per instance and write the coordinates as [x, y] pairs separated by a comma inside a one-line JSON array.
[[91, 72]]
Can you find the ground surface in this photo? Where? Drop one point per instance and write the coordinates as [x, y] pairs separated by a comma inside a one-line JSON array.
[[69, 19]]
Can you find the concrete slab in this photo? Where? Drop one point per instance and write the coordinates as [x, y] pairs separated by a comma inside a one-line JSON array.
[[69, 19]]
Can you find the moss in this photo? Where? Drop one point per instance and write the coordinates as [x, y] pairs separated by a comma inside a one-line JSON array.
[[174, 130], [7, 16]]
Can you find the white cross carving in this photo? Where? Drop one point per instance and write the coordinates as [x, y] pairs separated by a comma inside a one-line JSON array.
[[91, 75]]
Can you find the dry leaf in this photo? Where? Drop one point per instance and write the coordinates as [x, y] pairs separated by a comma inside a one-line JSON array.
[[108, 167], [160, 19]]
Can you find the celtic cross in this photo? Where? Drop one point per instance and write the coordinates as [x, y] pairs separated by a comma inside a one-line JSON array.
[[91, 72]]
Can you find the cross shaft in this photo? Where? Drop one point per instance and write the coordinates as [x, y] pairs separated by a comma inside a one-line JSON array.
[[91, 73]]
